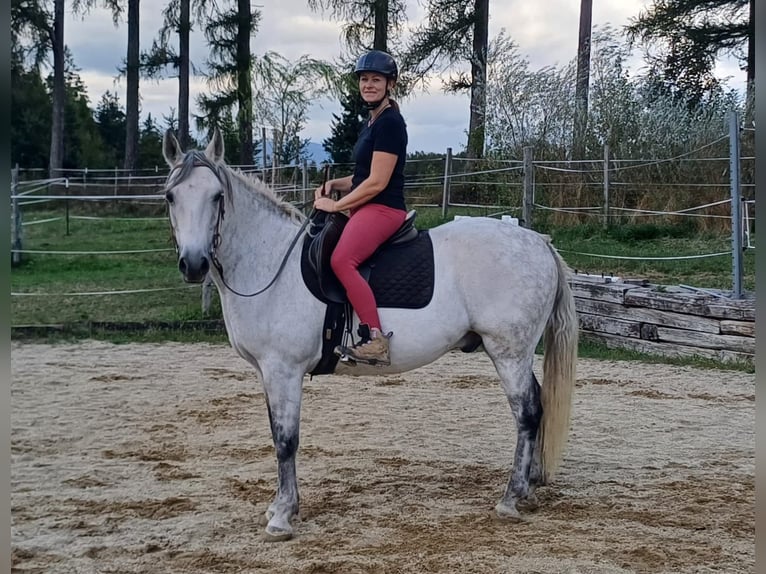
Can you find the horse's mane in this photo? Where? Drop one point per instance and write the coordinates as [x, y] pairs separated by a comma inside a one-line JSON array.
[[227, 174]]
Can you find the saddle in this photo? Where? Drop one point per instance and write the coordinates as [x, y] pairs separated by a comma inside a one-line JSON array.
[[400, 274]]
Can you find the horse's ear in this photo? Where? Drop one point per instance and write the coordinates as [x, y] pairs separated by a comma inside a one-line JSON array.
[[171, 149], [214, 149]]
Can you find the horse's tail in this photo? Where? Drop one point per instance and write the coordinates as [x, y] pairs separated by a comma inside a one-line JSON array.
[[559, 372]]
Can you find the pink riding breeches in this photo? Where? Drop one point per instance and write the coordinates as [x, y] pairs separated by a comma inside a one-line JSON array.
[[367, 228]]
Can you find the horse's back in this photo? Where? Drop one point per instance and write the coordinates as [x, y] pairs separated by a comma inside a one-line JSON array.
[[481, 246]]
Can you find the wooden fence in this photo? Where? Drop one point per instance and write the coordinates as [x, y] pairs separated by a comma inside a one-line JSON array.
[[666, 321]]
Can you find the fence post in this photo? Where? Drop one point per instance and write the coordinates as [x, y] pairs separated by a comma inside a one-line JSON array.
[[304, 182], [274, 159], [16, 239], [606, 186], [115, 180], [445, 190], [66, 203], [207, 295], [529, 188], [263, 154], [736, 205]]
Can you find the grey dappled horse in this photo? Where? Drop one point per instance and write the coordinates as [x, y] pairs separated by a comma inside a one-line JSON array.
[[500, 282]]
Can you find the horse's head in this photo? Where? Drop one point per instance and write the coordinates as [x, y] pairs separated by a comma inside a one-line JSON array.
[[194, 193]]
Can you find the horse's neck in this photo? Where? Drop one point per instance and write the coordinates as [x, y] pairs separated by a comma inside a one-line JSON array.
[[255, 235]]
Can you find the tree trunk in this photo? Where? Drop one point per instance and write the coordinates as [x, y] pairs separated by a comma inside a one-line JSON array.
[[750, 88], [184, 29], [583, 79], [131, 98], [478, 80], [56, 159], [244, 83], [380, 40]]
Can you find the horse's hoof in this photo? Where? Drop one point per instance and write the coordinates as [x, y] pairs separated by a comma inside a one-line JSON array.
[[509, 513], [529, 503], [263, 520], [277, 535]]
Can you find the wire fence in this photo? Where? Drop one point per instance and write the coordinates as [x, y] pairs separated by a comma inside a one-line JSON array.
[[697, 184]]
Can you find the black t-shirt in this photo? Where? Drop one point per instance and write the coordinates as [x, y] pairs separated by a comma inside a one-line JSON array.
[[388, 133]]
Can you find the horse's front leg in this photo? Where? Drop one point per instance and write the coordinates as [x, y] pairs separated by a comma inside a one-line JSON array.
[[283, 400]]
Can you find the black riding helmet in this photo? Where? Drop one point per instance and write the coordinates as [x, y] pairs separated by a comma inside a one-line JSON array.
[[379, 62]]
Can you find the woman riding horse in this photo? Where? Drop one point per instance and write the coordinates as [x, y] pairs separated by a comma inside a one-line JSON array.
[[374, 194]]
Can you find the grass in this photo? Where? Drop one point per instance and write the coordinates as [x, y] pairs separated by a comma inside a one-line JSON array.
[[57, 278]]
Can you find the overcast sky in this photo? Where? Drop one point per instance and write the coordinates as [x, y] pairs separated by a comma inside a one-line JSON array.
[[545, 32]]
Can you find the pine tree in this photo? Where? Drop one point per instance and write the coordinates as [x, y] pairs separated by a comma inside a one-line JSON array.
[[110, 118], [346, 127], [690, 35]]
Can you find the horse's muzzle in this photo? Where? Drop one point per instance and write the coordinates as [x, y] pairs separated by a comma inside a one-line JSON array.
[[194, 271]]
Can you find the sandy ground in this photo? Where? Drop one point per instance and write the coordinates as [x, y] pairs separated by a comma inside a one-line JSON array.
[[158, 459]]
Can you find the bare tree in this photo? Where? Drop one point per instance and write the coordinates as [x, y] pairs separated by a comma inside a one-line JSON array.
[[56, 159], [284, 91], [228, 31], [131, 97], [35, 33], [583, 79], [369, 24], [131, 68], [441, 43]]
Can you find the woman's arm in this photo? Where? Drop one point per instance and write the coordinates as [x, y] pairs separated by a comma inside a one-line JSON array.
[[341, 184], [383, 164]]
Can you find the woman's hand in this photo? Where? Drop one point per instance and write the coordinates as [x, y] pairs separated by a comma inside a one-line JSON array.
[[323, 190], [325, 204]]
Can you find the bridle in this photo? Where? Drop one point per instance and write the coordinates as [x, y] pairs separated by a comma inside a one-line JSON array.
[[201, 161]]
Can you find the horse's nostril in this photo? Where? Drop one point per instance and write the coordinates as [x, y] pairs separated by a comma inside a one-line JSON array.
[[205, 267], [182, 267]]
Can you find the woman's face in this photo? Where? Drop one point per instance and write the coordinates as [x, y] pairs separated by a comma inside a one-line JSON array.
[[373, 86]]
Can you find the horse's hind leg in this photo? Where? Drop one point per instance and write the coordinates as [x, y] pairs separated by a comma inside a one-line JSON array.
[[523, 392]]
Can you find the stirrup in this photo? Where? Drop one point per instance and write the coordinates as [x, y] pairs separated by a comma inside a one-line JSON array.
[[347, 354]]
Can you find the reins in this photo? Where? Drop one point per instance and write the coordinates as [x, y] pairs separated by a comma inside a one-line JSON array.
[[217, 237]]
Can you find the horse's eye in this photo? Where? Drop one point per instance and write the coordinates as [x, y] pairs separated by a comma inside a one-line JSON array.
[[169, 197], [218, 197]]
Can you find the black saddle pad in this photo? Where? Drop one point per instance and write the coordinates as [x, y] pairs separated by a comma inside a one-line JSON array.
[[400, 275]]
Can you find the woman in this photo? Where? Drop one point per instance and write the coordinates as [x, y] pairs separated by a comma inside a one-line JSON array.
[[374, 195]]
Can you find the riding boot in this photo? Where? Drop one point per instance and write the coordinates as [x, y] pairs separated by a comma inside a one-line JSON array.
[[371, 349]]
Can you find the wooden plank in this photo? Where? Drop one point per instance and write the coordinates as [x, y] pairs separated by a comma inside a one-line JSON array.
[[602, 324], [667, 349], [744, 328], [613, 292], [643, 315], [707, 340], [692, 304], [743, 310]]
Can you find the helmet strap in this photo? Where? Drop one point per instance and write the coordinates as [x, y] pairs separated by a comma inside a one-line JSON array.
[[371, 106]]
